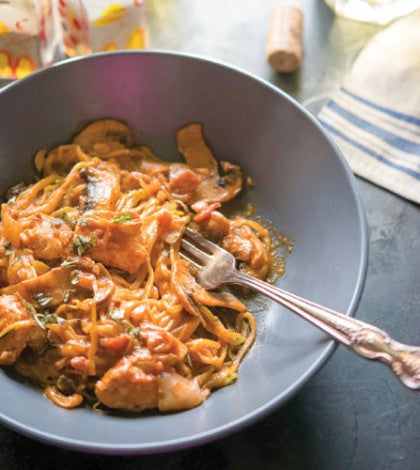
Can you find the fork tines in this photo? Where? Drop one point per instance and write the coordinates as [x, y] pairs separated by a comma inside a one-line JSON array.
[[196, 247]]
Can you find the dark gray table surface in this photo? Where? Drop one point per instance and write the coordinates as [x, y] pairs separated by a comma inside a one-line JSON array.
[[353, 414]]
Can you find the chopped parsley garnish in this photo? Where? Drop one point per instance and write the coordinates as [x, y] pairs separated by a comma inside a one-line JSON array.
[[81, 244], [129, 327], [122, 219], [68, 294], [133, 330], [118, 315], [8, 247], [68, 264], [43, 319], [64, 216], [42, 298]]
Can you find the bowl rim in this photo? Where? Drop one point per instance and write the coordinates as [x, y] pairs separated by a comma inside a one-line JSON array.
[[330, 345]]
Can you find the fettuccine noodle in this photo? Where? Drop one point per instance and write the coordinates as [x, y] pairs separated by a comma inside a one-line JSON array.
[[95, 301]]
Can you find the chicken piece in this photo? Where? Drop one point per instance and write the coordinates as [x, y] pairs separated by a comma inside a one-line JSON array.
[[146, 379], [10, 227], [114, 244], [132, 384], [136, 384], [183, 181], [247, 248], [46, 236], [21, 267], [24, 333], [179, 393], [164, 346]]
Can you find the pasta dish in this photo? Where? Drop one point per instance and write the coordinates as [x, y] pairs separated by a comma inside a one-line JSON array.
[[96, 302]]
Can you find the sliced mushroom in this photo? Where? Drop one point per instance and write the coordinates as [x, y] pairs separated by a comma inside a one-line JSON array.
[[103, 131], [47, 290], [191, 294], [192, 146], [220, 189], [103, 187], [62, 159], [213, 188]]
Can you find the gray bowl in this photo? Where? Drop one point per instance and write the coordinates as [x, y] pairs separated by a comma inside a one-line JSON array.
[[302, 184]]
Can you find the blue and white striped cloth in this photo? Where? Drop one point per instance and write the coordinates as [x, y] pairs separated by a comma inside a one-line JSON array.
[[375, 116]]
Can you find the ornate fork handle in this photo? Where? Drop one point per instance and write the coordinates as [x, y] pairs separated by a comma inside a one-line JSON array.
[[363, 338]]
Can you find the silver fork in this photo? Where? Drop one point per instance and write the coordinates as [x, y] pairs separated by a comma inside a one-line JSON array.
[[216, 266]]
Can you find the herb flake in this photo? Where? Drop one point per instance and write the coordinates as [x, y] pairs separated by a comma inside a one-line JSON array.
[[133, 330], [8, 247], [68, 264], [44, 319], [81, 244], [122, 219], [68, 295], [42, 299]]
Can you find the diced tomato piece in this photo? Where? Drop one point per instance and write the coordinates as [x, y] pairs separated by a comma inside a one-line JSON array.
[[205, 214], [79, 363], [185, 182], [117, 344]]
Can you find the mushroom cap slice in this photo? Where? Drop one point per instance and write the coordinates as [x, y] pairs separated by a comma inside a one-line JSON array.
[[104, 130], [213, 188]]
